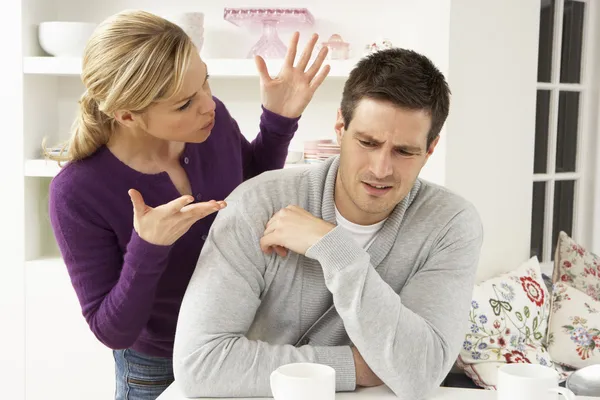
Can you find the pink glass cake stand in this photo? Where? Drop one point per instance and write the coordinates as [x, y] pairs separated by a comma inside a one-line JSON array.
[[269, 45]]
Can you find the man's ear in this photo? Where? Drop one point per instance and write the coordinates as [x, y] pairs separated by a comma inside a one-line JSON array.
[[339, 126], [432, 146]]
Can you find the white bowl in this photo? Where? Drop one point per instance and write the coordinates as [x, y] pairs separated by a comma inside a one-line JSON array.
[[294, 157], [192, 23], [65, 39], [187, 20]]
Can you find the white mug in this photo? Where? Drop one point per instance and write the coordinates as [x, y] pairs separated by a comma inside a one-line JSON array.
[[302, 381], [521, 381]]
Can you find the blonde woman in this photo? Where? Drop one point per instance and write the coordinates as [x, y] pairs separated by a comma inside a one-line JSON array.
[[151, 158]]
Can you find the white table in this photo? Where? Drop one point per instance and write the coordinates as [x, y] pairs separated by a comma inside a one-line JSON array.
[[382, 393]]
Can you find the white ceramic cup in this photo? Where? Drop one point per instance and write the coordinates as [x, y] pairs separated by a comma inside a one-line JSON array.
[[521, 381], [303, 381]]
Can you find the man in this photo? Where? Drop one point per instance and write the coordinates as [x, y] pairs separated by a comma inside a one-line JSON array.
[[355, 263]]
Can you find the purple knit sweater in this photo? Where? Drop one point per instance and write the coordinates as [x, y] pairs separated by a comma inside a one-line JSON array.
[[130, 291]]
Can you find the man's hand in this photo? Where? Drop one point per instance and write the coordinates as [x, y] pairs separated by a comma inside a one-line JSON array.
[[364, 376], [293, 228]]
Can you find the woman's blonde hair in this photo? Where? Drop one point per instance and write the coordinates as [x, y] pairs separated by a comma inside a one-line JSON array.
[[132, 60]]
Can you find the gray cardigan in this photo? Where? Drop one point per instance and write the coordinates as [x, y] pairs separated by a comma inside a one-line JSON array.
[[403, 303]]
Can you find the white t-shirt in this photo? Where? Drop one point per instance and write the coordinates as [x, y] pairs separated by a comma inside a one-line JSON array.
[[363, 234]]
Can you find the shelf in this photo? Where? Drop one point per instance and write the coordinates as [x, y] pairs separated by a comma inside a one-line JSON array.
[[58, 66], [224, 67], [48, 168], [42, 168], [49, 262]]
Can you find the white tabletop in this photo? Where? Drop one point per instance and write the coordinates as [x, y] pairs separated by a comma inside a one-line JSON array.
[[382, 393]]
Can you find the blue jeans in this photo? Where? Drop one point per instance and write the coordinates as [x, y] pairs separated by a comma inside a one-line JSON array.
[[141, 377]]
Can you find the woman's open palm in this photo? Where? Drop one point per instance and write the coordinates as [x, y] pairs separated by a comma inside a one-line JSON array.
[[292, 89], [164, 224]]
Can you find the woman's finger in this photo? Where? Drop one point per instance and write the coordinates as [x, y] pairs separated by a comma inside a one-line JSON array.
[[138, 202], [191, 207], [198, 211], [316, 65], [290, 55], [263, 71], [176, 205], [307, 52], [320, 78]]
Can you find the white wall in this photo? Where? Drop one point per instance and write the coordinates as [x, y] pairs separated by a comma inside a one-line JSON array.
[[493, 72], [12, 299]]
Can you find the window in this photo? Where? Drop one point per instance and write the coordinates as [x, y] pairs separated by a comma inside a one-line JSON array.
[[564, 127]]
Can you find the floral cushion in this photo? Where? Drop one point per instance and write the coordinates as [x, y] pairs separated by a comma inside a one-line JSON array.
[[576, 267], [507, 324], [574, 327]]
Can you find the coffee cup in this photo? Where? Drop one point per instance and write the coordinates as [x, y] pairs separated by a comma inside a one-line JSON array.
[[301, 381], [520, 381]]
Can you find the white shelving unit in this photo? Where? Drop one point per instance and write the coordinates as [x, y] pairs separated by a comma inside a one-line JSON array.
[[41, 168], [221, 68], [58, 66]]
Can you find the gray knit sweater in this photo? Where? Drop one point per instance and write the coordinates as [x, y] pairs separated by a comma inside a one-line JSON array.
[[403, 303]]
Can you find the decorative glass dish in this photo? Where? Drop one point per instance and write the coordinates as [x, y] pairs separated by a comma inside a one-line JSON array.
[[269, 45], [338, 49]]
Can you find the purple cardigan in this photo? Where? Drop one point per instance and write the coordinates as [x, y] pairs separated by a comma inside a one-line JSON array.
[[130, 291]]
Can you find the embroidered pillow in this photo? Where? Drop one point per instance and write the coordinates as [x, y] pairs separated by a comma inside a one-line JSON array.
[[576, 267], [574, 327], [507, 324]]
